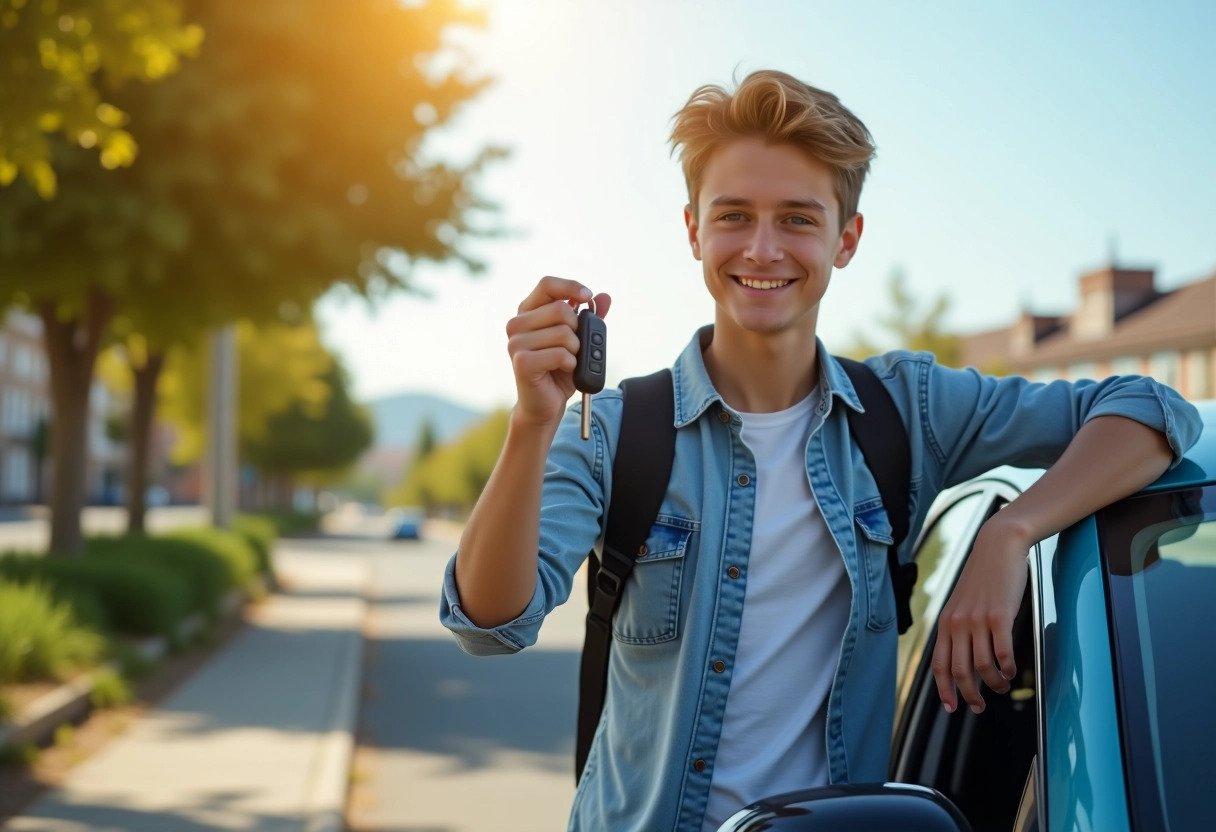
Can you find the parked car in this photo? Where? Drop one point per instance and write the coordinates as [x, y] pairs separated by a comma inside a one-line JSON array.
[[406, 523], [1109, 724]]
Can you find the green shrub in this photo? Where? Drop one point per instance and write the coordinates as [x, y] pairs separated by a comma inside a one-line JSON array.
[[261, 532], [23, 755], [39, 639], [205, 572], [110, 690], [291, 523], [233, 548], [138, 595]]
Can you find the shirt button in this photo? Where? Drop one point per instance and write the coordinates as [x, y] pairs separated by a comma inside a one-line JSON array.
[[743, 479], [723, 416], [733, 571], [699, 765], [642, 550], [719, 666]]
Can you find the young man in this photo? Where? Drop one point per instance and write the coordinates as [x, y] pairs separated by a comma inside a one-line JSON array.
[[754, 648]]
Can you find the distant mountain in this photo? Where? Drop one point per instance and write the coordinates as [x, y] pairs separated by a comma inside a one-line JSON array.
[[399, 418]]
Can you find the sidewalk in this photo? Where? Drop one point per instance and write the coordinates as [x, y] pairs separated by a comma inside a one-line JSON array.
[[259, 739]]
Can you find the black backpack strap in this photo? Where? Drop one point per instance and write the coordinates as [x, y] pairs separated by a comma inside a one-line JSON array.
[[883, 439], [641, 471]]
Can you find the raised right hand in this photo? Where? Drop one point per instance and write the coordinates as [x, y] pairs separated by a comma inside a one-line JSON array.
[[542, 341]]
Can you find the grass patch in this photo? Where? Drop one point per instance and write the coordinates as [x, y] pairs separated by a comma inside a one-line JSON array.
[[39, 637]]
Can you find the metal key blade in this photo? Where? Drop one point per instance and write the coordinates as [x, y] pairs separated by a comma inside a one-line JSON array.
[[586, 415]]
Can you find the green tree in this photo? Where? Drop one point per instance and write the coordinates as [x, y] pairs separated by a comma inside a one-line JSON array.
[[426, 441], [314, 444], [287, 158], [910, 328], [55, 54], [453, 475]]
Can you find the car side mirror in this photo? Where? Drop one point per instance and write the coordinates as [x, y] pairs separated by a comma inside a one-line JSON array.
[[876, 807]]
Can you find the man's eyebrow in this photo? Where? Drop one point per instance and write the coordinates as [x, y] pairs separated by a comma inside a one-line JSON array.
[[801, 204]]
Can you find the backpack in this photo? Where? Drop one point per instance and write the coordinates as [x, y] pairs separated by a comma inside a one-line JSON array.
[[641, 472]]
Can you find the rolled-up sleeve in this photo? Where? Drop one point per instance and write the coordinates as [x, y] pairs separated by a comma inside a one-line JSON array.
[[973, 422], [573, 506]]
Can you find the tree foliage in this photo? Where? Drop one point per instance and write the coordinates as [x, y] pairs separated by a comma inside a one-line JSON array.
[[453, 475], [911, 329], [280, 367], [56, 53], [316, 443], [286, 158]]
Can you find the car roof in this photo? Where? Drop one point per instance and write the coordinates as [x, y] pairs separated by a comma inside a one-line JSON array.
[[1198, 466]]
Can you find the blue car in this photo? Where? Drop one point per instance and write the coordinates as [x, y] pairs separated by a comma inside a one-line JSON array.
[[1109, 726], [406, 523]]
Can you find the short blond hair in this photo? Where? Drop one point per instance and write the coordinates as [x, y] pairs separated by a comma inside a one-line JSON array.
[[778, 108]]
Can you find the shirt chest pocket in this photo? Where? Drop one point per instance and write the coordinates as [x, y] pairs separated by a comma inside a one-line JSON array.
[[873, 541], [650, 602]]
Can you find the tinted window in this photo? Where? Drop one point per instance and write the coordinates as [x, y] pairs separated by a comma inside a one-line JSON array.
[[1160, 552], [936, 573]]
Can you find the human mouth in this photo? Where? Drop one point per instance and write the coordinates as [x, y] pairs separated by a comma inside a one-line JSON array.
[[762, 283]]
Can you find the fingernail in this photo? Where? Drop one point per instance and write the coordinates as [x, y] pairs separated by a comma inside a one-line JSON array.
[[949, 708], [585, 293], [977, 709]]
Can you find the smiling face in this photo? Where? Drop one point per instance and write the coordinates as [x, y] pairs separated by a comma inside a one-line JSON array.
[[767, 231]]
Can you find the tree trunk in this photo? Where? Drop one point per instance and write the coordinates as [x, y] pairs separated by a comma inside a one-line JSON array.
[[71, 347], [139, 439]]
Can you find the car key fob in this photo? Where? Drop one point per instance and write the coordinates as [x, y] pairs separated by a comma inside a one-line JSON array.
[[590, 361], [592, 346]]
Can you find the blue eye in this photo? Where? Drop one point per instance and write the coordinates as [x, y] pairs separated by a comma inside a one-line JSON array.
[[802, 220]]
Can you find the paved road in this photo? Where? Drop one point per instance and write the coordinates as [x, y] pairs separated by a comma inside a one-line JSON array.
[[453, 743]]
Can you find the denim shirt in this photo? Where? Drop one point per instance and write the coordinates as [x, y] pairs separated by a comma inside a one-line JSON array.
[[652, 758]]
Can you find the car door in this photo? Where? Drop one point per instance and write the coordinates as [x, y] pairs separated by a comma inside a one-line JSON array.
[[980, 762]]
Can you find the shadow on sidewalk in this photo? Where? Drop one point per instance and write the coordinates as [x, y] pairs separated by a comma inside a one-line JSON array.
[[427, 695], [218, 810]]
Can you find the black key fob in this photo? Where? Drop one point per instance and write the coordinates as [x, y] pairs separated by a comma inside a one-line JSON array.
[[592, 353]]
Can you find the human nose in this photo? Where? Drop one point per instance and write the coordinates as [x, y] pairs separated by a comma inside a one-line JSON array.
[[763, 246]]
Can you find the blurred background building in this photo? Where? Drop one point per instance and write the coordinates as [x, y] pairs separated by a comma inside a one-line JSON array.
[[25, 414], [1122, 325]]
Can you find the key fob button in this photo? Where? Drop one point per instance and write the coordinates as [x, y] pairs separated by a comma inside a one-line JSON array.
[[598, 355], [597, 339], [596, 367]]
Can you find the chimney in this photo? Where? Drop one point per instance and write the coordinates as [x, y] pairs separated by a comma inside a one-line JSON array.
[[1107, 295], [1030, 329]]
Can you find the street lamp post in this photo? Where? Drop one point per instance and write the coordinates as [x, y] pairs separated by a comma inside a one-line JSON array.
[[220, 472]]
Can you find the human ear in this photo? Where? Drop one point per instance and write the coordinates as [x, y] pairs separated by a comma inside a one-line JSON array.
[[690, 222], [850, 236]]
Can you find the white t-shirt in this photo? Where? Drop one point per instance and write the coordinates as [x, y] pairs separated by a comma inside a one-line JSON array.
[[795, 612]]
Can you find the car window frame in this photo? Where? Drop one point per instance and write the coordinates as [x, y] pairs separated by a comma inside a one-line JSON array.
[[996, 491]]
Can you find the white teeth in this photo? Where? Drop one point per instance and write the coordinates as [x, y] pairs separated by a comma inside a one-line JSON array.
[[763, 284]]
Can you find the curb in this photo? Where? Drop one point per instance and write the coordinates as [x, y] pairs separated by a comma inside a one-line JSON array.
[[329, 780], [37, 721]]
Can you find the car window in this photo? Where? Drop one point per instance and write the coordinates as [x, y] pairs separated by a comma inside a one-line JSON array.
[[1160, 552], [979, 762], [936, 574]]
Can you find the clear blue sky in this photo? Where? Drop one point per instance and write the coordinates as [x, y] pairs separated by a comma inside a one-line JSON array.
[[1016, 141]]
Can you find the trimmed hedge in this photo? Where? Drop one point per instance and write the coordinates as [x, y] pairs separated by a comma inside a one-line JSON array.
[[205, 572], [137, 595], [261, 533], [233, 548]]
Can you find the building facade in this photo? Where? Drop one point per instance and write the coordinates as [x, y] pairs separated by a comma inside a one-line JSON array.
[[1122, 325], [24, 408], [25, 414]]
